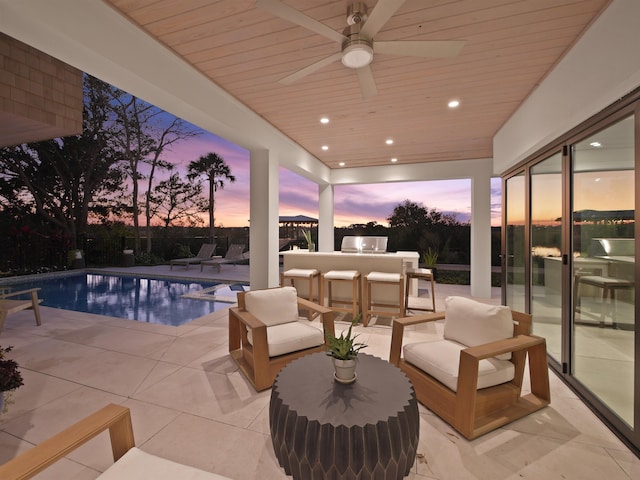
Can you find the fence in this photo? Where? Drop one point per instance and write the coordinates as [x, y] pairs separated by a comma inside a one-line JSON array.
[[36, 254]]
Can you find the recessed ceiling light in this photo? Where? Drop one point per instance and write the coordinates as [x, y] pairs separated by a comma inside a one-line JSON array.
[[341, 164], [394, 159], [389, 141], [454, 103], [325, 147], [596, 144], [324, 120]]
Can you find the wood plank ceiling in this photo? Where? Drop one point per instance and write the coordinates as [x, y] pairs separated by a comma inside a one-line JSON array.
[[510, 46]]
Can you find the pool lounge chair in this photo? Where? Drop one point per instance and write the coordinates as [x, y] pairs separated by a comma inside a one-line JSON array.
[[205, 253], [234, 255]]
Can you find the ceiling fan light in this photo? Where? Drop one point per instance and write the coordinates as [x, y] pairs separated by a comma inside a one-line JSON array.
[[357, 55]]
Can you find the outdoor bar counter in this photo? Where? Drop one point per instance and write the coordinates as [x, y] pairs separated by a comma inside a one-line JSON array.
[[396, 262]]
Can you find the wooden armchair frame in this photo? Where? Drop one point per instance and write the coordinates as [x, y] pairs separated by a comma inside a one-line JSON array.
[[115, 418], [9, 305], [474, 412], [254, 360]]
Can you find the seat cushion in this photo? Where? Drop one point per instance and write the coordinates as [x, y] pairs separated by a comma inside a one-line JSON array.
[[473, 323], [139, 465], [291, 337], [301, 272], [427, 272], [273, 306], [384, 277], [441, 360], [341, 274]]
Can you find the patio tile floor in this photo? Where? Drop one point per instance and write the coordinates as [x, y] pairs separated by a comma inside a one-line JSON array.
[[190, 404]]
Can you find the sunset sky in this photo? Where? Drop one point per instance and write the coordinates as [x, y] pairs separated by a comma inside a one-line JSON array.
[[299, 196]]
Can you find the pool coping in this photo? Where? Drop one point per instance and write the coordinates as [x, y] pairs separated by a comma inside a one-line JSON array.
[[106, 271]]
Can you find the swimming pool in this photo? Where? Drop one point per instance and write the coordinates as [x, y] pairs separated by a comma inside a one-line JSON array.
[[166, 301]]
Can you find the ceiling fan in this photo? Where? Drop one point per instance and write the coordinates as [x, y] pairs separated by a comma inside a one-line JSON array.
[[357, 40]]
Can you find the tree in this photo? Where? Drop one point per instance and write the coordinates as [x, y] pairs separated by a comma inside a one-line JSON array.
[[143, 133], [176, 201], [420, 228], [66, 180], [216, 171], [416, 216]]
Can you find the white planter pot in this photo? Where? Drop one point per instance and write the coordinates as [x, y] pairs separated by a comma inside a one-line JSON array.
[[345, 370]]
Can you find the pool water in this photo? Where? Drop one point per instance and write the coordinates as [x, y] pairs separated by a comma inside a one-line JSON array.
[[151, 300]]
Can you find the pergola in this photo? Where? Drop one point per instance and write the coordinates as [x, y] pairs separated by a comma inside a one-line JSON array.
[[291, 226]]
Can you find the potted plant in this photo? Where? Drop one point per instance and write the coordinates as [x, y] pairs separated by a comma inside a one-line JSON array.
[[430, 259], [344, 352], [10, 376], [307, 236]]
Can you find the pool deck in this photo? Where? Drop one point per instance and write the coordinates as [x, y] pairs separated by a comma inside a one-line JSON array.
[[191, 404], [227, 273]]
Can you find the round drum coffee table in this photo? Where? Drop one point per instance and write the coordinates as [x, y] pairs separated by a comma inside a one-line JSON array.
[[323, 429]]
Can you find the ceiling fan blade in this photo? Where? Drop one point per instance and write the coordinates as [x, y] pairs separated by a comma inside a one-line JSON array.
[[367, 83], [428, 48], [292, 15], [382, 12], [288, 80]]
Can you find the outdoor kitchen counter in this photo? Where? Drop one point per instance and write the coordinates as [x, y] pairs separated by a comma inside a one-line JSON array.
[[396, 262]]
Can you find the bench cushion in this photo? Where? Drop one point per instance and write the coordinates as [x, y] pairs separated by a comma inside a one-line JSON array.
[[473, 323], [139, 465], [441, 360], [291, 337], [273, 306]]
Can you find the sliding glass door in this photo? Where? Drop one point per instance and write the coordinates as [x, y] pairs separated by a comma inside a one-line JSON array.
[[603, 205], [514, 262], [569, 259], [546, 252]]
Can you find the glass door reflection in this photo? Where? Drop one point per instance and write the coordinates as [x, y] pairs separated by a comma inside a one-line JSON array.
[[603, 205], [546, 259], [515, 243]]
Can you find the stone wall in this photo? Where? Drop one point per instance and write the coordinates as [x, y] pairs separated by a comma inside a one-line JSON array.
[[40, 96]]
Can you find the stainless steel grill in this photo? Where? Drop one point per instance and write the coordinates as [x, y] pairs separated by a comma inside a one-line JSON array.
[[363, 244]]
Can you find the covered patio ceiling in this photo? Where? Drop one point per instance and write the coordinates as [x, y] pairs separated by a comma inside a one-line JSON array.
[[509, 47]]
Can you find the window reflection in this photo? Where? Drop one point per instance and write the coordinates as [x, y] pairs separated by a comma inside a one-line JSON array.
[[603, 207]]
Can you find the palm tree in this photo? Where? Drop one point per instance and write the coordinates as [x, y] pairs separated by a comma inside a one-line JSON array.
[[216, 171]]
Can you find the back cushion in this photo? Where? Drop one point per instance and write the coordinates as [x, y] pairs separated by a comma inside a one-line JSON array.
[[473, 323], [273, 306]]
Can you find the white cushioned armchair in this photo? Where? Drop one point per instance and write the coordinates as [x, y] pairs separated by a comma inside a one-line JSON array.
[[266, 332], [472, 377]]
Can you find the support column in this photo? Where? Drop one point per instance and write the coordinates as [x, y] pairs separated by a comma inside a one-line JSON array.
[[326, 230], [264, 264], [481, 233]]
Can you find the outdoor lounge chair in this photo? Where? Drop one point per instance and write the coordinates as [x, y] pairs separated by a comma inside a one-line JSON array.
[[234, 254], [472, 378], [131, 463], [8, 304], [205, 253]]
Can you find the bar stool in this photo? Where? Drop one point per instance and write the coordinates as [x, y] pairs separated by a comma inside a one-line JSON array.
[[609, 285], [312, 275], [382, 278], [424, 274], [352, 276]]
